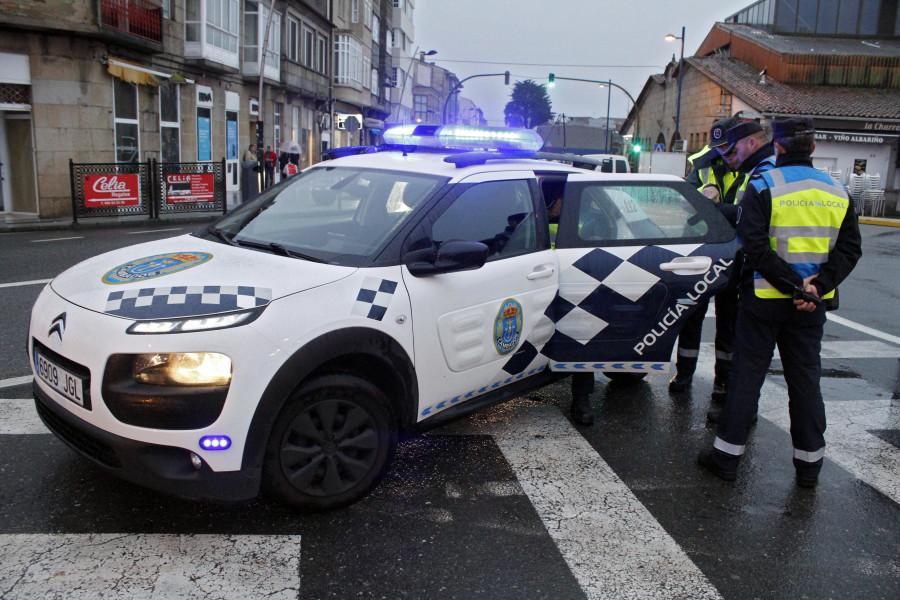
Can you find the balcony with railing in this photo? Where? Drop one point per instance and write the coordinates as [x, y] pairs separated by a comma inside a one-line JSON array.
[[139, 18]]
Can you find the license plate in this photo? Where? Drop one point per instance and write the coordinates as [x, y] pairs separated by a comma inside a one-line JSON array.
[[66, 383]]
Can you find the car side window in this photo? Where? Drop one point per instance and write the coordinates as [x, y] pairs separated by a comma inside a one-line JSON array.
[[651, 213], [498, 213]]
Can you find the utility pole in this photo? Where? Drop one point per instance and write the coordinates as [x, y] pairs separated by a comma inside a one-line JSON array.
[[260, 124]]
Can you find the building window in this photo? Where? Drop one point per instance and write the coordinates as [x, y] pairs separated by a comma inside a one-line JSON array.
[[276, 116], [169, 124], [420, 108], [322, 54], [308, 56], [367, 13], [376, 28], [293, 41], [125, 100], [354, 11], [256, 15], [347, 61], [295, 123], [211, 30]]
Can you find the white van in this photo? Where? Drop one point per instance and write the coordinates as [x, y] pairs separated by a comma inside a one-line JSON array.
[[611, 163]]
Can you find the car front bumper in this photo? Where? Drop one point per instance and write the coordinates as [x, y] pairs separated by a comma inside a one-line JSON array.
[[166, 469]]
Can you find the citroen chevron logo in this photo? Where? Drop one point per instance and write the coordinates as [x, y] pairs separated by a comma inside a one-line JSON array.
[[58, 326]]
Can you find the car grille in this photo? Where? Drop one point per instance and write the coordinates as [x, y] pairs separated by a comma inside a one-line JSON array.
[[85, 443]]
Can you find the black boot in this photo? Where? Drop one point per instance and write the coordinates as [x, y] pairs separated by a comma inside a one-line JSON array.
[[680, 383], [582, 411], [716, 463]]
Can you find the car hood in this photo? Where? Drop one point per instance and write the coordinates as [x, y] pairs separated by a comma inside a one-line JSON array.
[[187, 276]]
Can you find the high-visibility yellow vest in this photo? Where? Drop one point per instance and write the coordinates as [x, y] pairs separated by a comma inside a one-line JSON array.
[[808, 208], [554, 228], [708, 176]]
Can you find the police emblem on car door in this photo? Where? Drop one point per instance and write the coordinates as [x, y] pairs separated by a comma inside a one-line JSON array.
[[635, 257]]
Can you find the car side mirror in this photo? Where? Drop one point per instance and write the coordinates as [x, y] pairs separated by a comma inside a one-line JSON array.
[[450, 256]]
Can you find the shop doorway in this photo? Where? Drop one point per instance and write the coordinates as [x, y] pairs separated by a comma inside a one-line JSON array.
[[18, 190]]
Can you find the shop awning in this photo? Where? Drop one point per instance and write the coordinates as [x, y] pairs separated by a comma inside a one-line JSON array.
[[132, 73]]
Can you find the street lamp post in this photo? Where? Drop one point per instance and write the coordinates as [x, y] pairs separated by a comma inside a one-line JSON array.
[[608, 99], [670, 38]]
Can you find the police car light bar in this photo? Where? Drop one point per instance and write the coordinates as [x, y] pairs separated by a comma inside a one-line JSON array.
[[464, 137]]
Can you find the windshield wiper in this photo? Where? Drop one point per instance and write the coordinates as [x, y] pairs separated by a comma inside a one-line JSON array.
[[220, 233], [276, 248]]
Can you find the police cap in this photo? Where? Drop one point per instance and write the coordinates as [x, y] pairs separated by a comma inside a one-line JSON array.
[[739, 132], [717, 133], [788, 128]]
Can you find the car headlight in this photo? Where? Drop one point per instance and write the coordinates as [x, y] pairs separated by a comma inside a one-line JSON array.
[[189, 324], [182, 368]]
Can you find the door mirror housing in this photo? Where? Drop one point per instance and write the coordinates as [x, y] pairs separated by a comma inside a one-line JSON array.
[[450, 256]]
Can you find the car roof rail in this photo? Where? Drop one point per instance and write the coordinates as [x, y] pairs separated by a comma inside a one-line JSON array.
[[468, 159], [348, 151], [568, 157]]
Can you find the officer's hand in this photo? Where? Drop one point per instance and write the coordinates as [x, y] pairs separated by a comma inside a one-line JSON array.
[[711, 192], [809, 288]]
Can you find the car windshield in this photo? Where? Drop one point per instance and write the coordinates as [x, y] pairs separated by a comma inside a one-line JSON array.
[[337, 215]]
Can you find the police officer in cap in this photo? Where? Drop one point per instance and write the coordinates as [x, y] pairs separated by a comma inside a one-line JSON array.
[[712, 177], [801, 239]]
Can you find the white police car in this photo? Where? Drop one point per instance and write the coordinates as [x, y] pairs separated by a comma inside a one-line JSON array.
[[288, 343]]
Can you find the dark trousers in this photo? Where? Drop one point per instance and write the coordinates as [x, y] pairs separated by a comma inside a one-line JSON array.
[[689, 336], [761, 325], [582, 385], [270, 174]]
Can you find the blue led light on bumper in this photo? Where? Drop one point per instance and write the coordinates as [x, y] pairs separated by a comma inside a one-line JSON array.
[[215, 442], [464, 137]]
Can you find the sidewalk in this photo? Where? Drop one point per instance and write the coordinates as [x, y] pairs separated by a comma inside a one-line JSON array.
[[14, 222]]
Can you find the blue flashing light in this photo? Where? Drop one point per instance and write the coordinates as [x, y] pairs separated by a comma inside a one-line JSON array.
[[464, 137], [215, 442]]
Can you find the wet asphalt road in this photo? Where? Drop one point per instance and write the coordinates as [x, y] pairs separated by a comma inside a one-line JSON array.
[[515, 502]]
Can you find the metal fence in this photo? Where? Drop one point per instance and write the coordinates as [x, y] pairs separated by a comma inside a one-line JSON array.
[[147, 188]]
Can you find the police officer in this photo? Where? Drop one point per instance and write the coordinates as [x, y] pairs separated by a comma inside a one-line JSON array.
[[800, 234], [712, 177], [582, 383], [709, 174], [744, 150]]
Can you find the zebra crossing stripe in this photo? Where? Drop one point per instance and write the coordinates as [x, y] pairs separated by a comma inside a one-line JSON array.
[[19, 417], [149, 567], [604, 533]]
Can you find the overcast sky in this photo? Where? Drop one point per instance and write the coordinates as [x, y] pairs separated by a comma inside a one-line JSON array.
[[618, 40]]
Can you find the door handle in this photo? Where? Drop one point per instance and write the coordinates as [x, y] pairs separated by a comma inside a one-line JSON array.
[[688, 265], [540, 273]]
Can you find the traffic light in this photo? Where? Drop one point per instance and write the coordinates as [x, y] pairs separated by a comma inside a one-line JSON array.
[[506, 78], [552, 80], [636, 148]]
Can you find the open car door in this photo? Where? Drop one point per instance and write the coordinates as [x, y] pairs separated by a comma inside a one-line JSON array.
[[635, 254]]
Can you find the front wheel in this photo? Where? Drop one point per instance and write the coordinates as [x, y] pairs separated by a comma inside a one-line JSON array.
[[624, 378], [331, 443]]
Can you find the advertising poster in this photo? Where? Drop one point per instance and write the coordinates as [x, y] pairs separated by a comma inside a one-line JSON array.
[[190, 187], [231, 140], [112, 190], [204, 138], [859, 166]]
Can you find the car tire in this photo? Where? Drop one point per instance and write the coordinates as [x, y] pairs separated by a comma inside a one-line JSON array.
[[330, 444], [621, 378]]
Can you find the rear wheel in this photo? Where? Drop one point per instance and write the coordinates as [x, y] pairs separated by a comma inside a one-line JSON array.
[[331, 443], [625, 378]]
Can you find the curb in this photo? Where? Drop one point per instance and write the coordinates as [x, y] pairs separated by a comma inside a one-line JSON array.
[[879, 221]]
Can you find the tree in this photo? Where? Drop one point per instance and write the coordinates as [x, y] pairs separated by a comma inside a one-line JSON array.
[[529, 106]]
